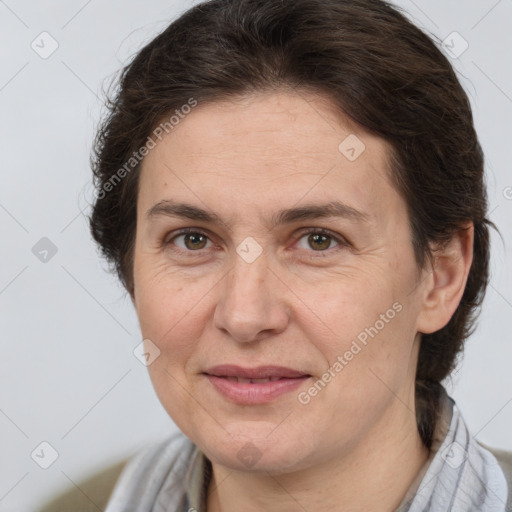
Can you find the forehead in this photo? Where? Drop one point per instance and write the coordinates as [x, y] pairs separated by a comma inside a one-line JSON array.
[[268, 148]]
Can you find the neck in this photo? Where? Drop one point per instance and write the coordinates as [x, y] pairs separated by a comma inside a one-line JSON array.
[[374, 475]]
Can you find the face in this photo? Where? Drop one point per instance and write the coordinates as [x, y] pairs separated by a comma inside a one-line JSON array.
[[330, 294]]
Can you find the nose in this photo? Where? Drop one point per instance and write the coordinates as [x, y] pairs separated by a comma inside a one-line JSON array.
[[252, 303]]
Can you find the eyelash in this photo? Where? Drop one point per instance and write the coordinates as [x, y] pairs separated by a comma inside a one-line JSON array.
[[342, 242]]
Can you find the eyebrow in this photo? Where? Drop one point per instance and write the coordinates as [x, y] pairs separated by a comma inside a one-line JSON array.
[[170, 208]]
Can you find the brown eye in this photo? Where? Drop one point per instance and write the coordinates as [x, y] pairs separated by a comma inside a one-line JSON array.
[[319, 241], [195, 241], [192, 241]]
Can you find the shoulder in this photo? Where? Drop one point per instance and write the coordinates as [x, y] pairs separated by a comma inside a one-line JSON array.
[[158, 465], [146, 469], [504, 458]]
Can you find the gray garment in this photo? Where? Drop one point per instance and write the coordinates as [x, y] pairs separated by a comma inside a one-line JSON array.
[[460, 475]]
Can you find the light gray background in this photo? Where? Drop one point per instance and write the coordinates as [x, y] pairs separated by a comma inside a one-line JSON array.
[[68, 373]]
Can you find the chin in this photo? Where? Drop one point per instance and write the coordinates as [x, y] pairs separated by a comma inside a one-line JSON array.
[[256, 451]]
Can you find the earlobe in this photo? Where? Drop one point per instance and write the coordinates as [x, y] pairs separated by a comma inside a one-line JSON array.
[[449, 274]]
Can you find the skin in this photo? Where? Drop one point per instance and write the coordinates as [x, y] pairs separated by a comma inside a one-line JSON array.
[[296, 305]]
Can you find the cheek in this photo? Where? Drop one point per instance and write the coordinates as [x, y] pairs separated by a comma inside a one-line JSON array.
[[366, 325], [168, 316], [342, 306], [168, 310]]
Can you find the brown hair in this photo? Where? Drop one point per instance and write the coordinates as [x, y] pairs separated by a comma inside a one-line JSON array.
[[376, 66]]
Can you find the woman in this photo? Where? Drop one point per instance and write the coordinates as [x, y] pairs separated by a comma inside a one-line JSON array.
[[292, 193]]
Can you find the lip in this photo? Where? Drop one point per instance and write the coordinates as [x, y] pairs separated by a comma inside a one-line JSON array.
[[260, 372], [248, 393]]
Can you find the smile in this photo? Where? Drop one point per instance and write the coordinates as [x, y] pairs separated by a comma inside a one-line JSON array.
[[253, 388]]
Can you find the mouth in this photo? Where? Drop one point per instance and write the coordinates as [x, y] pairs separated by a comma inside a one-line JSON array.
[[252, 381], [252, 386], [260, 373]]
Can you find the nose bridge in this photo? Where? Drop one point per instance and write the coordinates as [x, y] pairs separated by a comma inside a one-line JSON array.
[[249, 303], [246, 282]]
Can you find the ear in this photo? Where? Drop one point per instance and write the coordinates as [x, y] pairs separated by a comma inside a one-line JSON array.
[[446, 282]]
